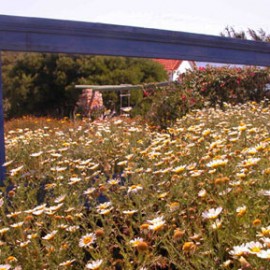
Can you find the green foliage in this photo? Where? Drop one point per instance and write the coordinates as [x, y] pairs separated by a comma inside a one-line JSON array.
[[43, 84], [168, 104], [204, 86], [226, 84]]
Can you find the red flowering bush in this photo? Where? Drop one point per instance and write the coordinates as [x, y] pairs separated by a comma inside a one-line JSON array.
[[209, 86], [170, 103], [226, 84]]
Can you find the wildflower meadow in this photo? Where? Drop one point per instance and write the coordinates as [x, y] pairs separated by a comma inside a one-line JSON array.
[[120, 194]]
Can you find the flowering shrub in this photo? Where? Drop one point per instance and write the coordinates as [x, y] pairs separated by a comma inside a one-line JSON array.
[[119, 195], [209, 86], [166, 105], [226, 84]]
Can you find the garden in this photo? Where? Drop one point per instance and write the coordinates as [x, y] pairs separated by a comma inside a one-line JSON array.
[[122, 194]]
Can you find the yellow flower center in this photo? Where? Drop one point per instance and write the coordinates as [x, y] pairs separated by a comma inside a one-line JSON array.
[[86, 240], [255, 249]]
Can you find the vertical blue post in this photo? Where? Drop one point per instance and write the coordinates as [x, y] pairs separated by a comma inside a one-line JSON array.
[[2, 139]]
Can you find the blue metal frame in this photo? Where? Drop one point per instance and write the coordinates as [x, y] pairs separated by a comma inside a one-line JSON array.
[[2, 140], [61, 36]]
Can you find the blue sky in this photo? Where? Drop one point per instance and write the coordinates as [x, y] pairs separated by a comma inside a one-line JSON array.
[[197, 16]]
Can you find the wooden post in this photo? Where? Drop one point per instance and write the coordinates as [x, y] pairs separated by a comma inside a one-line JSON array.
[[2, 139]]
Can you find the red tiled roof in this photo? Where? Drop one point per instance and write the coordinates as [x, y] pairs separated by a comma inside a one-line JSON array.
[[169, 64]]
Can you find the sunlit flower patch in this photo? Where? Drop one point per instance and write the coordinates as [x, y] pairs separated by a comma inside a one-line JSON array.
[[119, 194]]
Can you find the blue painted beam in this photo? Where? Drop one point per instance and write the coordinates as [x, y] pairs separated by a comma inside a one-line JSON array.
[[2, 140], [60, 36]]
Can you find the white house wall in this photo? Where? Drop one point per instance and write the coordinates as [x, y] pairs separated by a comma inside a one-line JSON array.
[[184, 66]]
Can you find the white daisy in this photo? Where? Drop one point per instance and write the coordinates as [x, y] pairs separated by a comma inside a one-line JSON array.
[[50, 236], [87, 240], [264, 254], [212, 213], [94, 265]]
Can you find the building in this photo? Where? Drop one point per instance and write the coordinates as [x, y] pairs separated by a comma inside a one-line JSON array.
[[175, 68]]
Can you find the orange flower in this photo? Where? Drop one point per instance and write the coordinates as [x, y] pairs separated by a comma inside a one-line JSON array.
[[221, 180], [256, 222], [189, 247], [178, 234], [11, 259], [139, 244], [144, 226], [241, 210], [99, 232]]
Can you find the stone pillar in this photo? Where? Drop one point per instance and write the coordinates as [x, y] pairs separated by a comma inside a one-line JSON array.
[[89, 100]]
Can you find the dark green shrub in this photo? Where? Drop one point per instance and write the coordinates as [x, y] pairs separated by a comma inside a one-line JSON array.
[[168, 104]]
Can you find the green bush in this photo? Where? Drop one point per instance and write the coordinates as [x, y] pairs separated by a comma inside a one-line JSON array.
[[211, 86], [226, 84], [168, 104], [44, 84]]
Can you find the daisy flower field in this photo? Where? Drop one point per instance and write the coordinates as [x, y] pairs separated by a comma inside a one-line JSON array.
[[121, 194]]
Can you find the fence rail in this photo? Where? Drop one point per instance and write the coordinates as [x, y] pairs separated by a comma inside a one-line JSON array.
[[58, 36], [61, 36]]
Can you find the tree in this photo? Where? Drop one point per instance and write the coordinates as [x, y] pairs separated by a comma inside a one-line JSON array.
[[43, 84], [259, 35]]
